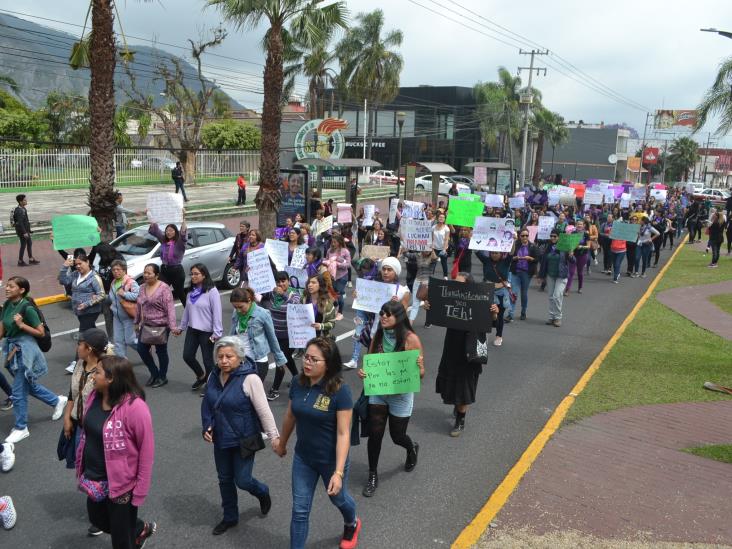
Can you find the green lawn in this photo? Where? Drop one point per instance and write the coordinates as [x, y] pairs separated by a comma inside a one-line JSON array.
[[723, 301], [719, 452], [662, 356]]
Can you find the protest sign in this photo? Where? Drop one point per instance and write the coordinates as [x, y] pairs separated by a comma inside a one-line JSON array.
[[480, 175], [624, 231], [369, 211], [638, 193], [468, 197], [298, 257], [74, 231], [299, 325], [164, 208], [659, 194], [579, 189], [371, 295], [546, 224], [609, 194], [594, 197], [463, 213], [393, 205], [375, 252], [460, 305], [625, 200], [325, 225], [391, 373], [261, 279], [413, 210], [493, 234], [516, 202], [280, 233], [417, 234], [298, 277], [533, 231], [344, 213], [568, 242], [277, 251], [494, 200]]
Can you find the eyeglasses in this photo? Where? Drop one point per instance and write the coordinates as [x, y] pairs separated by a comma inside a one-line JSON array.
[[312, 359], [384, 313]]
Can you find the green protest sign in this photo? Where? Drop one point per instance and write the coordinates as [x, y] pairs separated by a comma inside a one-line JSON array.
[[624, 231], [74, 231], [391, 373], [568, 242], [463, 212]]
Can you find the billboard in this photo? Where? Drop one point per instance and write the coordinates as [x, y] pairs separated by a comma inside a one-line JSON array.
[[667, 119], [650, 155], [293, 186]]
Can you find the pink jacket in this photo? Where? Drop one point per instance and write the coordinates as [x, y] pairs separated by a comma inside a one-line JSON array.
[[129, 448]]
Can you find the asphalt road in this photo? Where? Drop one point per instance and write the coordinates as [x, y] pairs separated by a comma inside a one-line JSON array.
[[523, 382]]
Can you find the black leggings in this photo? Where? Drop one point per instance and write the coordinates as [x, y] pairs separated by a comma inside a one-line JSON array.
[[499, 321], [669, 235], [657, 250], [378, 414], [175, 277], [280, 370], [194, 340], [117, 519]]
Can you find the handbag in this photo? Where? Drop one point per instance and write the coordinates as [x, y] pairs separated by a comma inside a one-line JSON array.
[[423, 291], [456, 265], [129, 307], [476, 348], [511, 294], [153, 335]]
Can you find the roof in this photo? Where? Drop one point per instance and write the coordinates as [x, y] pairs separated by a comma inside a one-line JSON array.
[[437, 167], [339, 162], [489, 165]]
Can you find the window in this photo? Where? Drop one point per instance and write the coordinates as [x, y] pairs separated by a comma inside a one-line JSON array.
[[205, 237], [136, 243]]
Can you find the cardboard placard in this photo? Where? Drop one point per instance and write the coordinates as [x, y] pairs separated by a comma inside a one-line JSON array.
[[74, 231], [164, 208], [624, 231], [494, 200], [412, 210], [278, 252], [371, 295], [516, 202], [375, 252], [463, 213], [594, 197], [568, 242], [416, 234], [299, 325], [325, 225], [546, 224], [391, 373], [493, 234], [460, 305], [369, 211], [261, 279], [344, 213], [393, 206], [298, 257], [533, 231]]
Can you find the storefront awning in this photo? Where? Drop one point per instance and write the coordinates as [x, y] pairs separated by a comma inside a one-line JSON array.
[[489, 165], [437, 167]]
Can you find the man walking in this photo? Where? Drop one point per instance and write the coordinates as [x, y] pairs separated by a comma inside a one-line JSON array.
[[179, 180], [23, 230], [241, 183]]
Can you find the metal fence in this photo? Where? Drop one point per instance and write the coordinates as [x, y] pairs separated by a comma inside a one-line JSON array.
[[57, 167]]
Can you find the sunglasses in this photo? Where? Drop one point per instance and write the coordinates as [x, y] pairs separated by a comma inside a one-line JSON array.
[[384, 313]]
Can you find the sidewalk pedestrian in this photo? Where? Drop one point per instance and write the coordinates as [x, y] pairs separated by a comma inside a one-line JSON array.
[[716, 236], [22, 226], [172, 249], [320, 408], [555, 270], [234, 413], [441, 242], [123, 293], [120, 215], [241, 185], [179, 179], [115, 455]]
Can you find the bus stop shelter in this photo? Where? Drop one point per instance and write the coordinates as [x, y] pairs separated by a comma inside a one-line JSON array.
[[499, 176], [436, 169], [354, 166]]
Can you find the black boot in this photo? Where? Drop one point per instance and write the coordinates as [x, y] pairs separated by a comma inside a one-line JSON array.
[[411, 462], [459, 425], [371, 484]]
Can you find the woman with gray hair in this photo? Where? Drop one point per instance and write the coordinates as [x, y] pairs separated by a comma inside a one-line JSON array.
[[123, 292], [234, 412]]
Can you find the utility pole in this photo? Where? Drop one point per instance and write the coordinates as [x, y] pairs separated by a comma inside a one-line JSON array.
[[704, 166], [528, 98], [643, 149]]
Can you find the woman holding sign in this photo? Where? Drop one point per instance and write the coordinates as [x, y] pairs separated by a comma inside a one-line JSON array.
[[255, 242], [394, 334], [338, 262], [316, 293], [294, 241], [172, 250]]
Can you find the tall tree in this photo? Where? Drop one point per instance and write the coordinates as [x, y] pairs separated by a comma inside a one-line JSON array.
[[718, 100], [550, 126], [683, 155], [307, 18], [312, 61]]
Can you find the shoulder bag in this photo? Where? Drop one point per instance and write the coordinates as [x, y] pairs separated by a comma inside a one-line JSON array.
[[152, 335], [511, 293], [476, 348]]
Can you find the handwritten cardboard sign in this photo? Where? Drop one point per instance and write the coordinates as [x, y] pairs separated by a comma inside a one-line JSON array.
[[417, 234], [516, 202], [546, 224], [344, 213], [393, 207], [371, 295], [533, 231], [298, 257], [375, 252], [326, 224], [391, 373], [164, 208], [460, 305], [493, 234], [369, 211], [277, 251], [594, 197], [74, 231], [494, 200], [261, 279], [299, 325], [412, 210]]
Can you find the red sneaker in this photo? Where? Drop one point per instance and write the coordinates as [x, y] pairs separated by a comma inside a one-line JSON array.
[[350, 535]]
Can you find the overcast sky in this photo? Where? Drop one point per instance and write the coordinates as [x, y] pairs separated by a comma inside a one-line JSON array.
[[650, 52]]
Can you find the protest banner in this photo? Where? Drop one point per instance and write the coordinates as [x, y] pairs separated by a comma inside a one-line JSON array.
[[393, 205], [325, 225], [277, 251], [371, 295], [375, 252], [391, 373], [369, 211], [546, 224], [494, 200], [460, 305], [516, 202], [624, 231], [280, 233], [533, 231], [463, 213], [417, 234], [298, 277], [594, 197], [344, 213], [493, 234], [412, 210], [298, 257], [74, 231], [261, 279], [568, 242], [164, 208], [299, 325]]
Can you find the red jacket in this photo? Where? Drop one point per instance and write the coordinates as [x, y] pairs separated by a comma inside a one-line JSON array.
[[241, 182]]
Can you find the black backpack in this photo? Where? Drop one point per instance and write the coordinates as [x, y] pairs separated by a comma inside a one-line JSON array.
[[44, 343]]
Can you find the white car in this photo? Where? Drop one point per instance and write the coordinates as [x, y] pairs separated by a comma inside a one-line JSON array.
[[424, 183], [384, 177], [715, 194]]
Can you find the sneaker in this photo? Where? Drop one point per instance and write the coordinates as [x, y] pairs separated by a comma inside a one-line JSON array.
[[7, 512], [93, 531], [615, 281], [22, 263], [594, 261], [523, 316], [508, 319], [339, 317], [70, 368], [549, 322], [265, 503], [148, 530], [58, 410], [557, 323], [7, 458], [498, 341], [459, 427], [198, 383], [16, 435], [7, 405], [351, 364], [350, 284], [350, 535], [643, 275], [159, 382], [298, 353], [427, 325], [34, 261], [713, 266], [223, 526], [273, 395]]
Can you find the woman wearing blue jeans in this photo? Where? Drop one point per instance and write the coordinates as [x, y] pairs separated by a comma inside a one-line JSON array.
[[320, 408], [524, 260], [644, 247]]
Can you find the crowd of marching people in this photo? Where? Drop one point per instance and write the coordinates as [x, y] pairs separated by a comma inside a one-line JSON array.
[[108, 437]]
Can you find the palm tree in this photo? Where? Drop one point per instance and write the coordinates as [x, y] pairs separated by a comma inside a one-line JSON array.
[[310, 21], [683, 155], [550, 125], [312, 62], [717, 100]]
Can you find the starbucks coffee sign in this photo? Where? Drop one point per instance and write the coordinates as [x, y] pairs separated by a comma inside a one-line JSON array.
[[321, 138]]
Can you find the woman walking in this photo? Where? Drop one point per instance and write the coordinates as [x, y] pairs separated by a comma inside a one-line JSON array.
[[21, 325], [115, 454], [524, 259], [496, 266], [581, 259], [555, 270], [123, 292], [294, 241], [320, 408], [154, 321], [234, 412], [644, 247], [338, 262], [316, 293], [172, 250], [605, 242], [441, 241], [255, 242], [393, 335], [716, 236], [202, 323]]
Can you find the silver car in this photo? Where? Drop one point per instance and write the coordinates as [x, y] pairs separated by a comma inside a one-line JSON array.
[[208, 243]]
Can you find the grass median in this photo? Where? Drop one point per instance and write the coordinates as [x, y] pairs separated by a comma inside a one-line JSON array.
[[662, 357]]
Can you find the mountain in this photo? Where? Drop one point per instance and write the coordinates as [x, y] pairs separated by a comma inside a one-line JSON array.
[[36, 57]]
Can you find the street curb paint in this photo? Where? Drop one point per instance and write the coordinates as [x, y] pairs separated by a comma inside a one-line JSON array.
[[49, 299], [472, 532]]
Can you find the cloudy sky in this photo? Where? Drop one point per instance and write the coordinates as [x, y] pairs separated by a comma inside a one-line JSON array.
[[643, 55]]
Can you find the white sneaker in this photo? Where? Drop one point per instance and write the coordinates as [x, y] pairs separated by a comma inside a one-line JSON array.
[[7, 512], [350, 364], [498, 341], [16, 435], [350, 284], [58, 411], [70, 367], [595, 261], [7, 458]]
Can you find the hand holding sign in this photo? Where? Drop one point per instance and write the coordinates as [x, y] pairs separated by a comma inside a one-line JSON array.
[[391, 373]]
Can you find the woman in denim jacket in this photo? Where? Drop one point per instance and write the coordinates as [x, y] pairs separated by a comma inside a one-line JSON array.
[[123, 288]]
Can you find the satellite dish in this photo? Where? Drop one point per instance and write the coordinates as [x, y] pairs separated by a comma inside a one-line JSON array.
[[612, 159]]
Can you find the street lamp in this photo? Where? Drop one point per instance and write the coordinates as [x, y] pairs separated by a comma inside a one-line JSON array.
[[400, 117], [726, 34]]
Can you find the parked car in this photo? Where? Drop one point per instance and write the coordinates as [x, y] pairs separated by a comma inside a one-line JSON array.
[[153, 163], [694, 187], [465, 180], [384, 177], [715, 194], [424, 183], [208, 243]]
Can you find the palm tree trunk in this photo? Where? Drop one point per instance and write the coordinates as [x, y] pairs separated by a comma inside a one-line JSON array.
[[537, 160], [268, 197], [102, 53]]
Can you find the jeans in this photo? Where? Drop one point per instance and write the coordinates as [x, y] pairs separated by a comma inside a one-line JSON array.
[[715, 245], [520, 281], [235, 472], [643, 253], [555, 288], [117, 519], [195, 339], [143, 349], [241, 197], [442, 254], [578, 268], [124, 334], [179, 186], [339, 285], [25, 242], [414, 309], [304, 480], [617, 263], [21, 389], [119, 229], [361, 322]]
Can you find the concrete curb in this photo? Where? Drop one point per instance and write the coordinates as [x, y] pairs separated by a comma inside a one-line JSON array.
[[50, 299]]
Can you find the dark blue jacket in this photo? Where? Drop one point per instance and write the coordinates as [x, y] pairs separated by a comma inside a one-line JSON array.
[[228, 409], [564, 260]]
